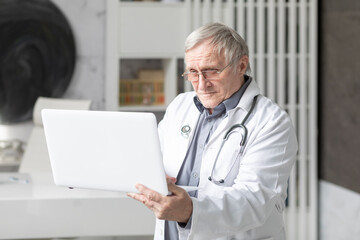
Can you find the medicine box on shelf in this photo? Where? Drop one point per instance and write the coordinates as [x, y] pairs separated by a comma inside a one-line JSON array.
[[147, 89]]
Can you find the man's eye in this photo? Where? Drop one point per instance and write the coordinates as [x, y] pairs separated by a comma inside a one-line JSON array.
[[211, 70]]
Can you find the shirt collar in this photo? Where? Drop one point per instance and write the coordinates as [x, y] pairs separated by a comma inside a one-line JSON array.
[[227, 104]]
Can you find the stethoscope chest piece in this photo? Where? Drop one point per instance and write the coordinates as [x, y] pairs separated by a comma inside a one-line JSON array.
[[185, 131]]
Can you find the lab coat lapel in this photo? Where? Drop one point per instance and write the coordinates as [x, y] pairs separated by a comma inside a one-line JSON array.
[[191, 119], [235, 116]]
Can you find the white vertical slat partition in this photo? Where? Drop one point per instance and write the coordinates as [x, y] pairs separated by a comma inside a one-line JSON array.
[[303, 70], [217, 11], [250, 31], [270, 79], [260, 45], [294, 227], [196, 13], [282, 40], [312, 118], [206, 13], [281, 60], [240, 10], [229, 14]]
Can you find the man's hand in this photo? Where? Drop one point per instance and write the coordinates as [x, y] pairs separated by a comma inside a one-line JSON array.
[[176, 207]]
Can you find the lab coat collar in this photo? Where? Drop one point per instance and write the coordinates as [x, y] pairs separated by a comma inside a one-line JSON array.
[[244, 106], [246, 100], [192, 118], [229, 103]]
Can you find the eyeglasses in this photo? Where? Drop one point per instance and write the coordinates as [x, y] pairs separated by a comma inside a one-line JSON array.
[[212, 74]]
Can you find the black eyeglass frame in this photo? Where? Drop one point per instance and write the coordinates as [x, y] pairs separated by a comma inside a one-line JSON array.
[[203, 73]]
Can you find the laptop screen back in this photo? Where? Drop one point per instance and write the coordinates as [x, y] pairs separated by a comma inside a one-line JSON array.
[[104, 150]]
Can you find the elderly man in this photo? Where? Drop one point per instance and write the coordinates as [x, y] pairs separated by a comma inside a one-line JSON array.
[[236, 145]]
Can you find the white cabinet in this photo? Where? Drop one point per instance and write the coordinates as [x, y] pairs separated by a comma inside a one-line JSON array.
[[151, 29], [140, 31]]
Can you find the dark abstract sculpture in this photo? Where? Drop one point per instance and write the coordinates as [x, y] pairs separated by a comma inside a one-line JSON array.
[[37, 56]]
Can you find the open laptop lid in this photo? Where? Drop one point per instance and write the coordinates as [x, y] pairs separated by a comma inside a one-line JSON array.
[[104, 150]]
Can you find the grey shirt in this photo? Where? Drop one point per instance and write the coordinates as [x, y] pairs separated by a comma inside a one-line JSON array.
[[190, 170]]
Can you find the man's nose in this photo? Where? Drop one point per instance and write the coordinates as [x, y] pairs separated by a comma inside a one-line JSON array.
[[203, 83]]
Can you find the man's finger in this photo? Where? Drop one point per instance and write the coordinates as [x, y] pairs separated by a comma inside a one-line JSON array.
[[173, 188], [149, 193], [172, 179], [138, 197], [144, 200]]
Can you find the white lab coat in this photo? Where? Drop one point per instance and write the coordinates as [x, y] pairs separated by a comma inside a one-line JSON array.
[[250, 204]]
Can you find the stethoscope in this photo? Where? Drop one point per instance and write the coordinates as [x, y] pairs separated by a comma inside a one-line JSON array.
[[226, 137]]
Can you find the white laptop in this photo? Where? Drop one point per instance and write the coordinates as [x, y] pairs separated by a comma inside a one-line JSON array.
[[104, 150]]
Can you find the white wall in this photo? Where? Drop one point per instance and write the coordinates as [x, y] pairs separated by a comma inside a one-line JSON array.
[[339, 213], [87, 19]]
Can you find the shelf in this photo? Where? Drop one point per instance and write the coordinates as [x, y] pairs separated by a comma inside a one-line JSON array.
[[147, 4], [161, 75], [138, 31], [142, 108], [136, 55], [9, 164]]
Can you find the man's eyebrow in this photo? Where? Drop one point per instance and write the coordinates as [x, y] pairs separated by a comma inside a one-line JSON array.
[[207, 66], [202, 69], [211, 67]]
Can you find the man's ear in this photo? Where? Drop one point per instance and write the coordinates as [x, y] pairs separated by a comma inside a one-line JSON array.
[[243, 64]]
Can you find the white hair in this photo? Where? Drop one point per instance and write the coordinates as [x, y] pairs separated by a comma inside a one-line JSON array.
[[223, 38]]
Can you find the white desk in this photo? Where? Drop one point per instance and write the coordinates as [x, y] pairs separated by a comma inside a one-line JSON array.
[[42, 210]]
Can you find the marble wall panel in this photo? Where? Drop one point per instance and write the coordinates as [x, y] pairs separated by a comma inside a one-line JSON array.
[[339, 113], [339, 210], [339, 87], [87, 18]]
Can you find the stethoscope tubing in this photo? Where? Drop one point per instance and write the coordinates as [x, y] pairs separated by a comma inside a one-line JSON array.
[[226, 137]]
